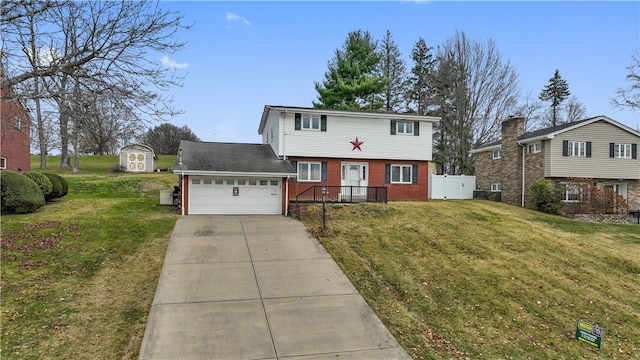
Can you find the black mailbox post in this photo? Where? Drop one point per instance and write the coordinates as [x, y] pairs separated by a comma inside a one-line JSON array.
[[635, 214]]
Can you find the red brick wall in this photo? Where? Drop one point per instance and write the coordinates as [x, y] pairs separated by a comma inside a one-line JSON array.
[[376, 171], [15, 142]]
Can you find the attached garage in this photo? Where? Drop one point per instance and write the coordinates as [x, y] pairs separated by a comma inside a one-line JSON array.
[[228, 178], [229, 195]]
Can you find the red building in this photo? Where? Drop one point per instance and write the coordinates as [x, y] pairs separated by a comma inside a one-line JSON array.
[[15, 125]]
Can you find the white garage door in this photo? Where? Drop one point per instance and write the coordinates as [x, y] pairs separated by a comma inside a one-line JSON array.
[[209, 195]]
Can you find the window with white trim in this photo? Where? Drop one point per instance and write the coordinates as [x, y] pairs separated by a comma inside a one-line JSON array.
[[404, 127], [17, 123], [401, 174], [497, 154], [623, 151], [309, 171], [496, 187], [310, 122], [577, 148], [3, 163], [535, 148], [574, 193]]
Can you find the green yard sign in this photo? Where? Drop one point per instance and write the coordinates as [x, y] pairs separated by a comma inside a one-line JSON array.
[[589, 334]]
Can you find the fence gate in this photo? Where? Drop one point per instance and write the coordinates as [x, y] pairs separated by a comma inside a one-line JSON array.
[[451, 186]]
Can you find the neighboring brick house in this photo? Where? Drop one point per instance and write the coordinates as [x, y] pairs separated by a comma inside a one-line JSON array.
[[597, 148], [15, 125]]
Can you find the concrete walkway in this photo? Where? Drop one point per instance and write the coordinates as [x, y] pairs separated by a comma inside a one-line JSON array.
[[258, 287]]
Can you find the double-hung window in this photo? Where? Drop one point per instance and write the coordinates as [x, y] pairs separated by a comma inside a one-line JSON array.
[[623, 151], [310, 122], [497, 154], [576, 148], [535, 148], [309, 171], [404, 127], [401, 174], [496, 187]]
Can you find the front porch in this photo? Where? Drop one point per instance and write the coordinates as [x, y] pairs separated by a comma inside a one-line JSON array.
[[337, 195]]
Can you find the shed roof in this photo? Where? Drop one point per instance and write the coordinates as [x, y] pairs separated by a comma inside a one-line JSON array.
[[230, 158]]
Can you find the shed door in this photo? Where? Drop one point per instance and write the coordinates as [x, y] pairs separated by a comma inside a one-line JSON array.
[[136, 162], [214, 195]]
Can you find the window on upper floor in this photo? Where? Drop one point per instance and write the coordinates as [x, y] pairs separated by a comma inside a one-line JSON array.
[[496, 187], [17, 123], [623, 151], [535, 148], [497, 154], [403, 127], [576, 148], [312, 122]]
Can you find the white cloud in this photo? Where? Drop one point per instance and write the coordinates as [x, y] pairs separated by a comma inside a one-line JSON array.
[[231, 17], [172, 64]]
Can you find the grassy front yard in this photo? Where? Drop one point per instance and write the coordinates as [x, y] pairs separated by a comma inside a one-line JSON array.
[[484, 280], [451, 279]]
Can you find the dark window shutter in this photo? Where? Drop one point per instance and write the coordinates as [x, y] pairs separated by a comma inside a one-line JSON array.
[[295, 167], [414, 174], [323, 173], [634, 151], [612, 150], [565, 147], [387, 173], [416, 128], [588, 148], [323, 122], [298, 121], [393, 127]]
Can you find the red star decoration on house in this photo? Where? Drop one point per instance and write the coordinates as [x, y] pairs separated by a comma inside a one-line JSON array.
[[356, 144]]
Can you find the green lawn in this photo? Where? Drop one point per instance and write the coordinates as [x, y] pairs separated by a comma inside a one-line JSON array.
[[451, 279], [484, 280]]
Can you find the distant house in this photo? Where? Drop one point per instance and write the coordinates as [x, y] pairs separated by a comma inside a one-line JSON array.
[[597, 148], [353, 156], [15, 125], [137, 158]]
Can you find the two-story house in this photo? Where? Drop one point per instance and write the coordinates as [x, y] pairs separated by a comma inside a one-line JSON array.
[[350, 154], [597, 148], [15, 125]]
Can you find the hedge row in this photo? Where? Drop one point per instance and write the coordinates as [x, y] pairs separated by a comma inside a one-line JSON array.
[[26, 192]]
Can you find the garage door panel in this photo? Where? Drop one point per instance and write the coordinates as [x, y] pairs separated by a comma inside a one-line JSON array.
[[251, 196]]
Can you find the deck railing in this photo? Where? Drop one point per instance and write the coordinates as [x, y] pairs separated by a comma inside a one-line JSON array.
[[343, 194]]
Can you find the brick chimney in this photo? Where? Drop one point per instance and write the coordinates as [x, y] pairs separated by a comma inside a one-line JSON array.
[[512, 161]]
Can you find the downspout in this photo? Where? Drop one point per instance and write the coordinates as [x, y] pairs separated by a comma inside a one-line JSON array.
[[523, 173], [286, 197], [182, 194], [283, 116]]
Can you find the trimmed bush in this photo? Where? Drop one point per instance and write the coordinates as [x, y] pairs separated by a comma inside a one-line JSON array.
[[545, 196], [63, 182], [57, 190], [19, 194], [43, 182]]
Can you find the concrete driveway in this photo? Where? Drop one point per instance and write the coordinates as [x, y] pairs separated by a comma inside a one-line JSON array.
[[258, 287]]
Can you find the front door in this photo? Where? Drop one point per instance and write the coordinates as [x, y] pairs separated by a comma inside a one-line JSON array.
[[355, 179]]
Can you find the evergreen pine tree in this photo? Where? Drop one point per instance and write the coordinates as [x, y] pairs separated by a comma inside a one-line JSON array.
[[556, 91], [420, 84], [352, 82], [392, 68]]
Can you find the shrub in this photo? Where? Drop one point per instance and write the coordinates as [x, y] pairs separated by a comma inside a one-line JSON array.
[[57, 191], [19, 194], [63, 182], [545, 196], [42, 181]]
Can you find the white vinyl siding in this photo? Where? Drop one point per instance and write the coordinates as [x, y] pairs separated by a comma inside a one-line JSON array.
[[599, 165], [377, 142]]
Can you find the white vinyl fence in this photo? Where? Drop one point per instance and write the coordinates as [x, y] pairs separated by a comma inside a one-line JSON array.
[[451, 186]]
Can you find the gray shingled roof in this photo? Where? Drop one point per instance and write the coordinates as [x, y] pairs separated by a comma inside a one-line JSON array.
[[231, 157]]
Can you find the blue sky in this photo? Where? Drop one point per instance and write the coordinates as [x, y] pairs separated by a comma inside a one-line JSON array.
[[241, 55]]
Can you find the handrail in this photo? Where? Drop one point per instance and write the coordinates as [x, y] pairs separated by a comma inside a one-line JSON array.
[[344, 194]]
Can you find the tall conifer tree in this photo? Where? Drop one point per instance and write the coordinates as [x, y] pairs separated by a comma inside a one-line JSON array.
[[392, 68], [556, 91]]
